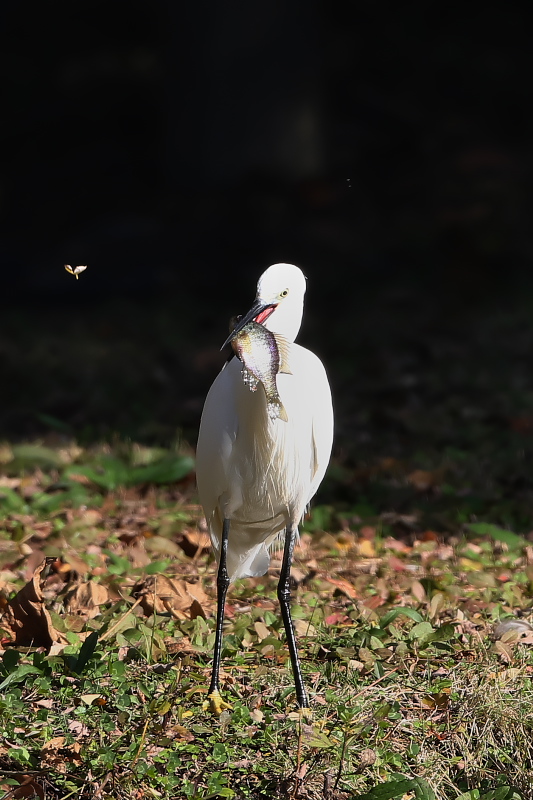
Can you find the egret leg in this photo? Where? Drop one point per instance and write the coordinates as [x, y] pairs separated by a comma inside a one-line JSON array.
[[216, 703], [284, 597]]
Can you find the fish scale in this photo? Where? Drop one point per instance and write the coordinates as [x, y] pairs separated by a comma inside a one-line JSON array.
[[263, 354]]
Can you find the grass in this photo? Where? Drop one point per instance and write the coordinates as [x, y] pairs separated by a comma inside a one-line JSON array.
[[101, 691]]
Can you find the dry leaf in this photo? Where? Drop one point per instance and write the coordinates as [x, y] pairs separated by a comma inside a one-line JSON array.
[[182, 733], [418, 591], [193, 542], [504, 651], [261, 630], [344, 586], [28, 787], [366, 548], [163, 595], [53, 744], [338, 618], [90, 699], [57, 754], [304, 628], [396, 564], [86, 599], [196, 610], [78, 728], [28, 618], [436, 605]]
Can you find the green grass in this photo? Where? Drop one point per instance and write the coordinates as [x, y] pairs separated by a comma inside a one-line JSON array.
[[411, 694]]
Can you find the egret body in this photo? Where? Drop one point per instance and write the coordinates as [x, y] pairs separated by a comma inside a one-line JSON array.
[[256, 475]]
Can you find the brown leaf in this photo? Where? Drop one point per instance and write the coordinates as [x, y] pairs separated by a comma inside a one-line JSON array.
[[396, 564], [78, 728], [344, 586], [418, 591], [373, 602], [196, 610], [53, 744], [304, 628], [28, 618], [261, 630], [193, 542], [163, 594], [366, 548], [182, 733], [28, 787], [396, 544], [86, 599], [179, 647], [504, 651], [57, 754], [338, 618]]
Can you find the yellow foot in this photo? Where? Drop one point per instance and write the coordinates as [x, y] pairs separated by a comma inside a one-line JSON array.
[[215, 704], [306, 714]]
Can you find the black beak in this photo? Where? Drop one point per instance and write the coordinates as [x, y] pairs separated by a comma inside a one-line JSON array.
[[255, 310]]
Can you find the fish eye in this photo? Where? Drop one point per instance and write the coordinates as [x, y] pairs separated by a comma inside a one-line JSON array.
[[284, 293]]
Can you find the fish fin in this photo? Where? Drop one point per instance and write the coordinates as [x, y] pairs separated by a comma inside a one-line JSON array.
[[276, 410], [284, 350]]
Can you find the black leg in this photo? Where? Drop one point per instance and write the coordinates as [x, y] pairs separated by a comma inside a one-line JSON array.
[[217, 704], [284, 596]]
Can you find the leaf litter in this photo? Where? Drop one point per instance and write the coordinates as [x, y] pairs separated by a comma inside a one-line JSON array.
[[401, 627]]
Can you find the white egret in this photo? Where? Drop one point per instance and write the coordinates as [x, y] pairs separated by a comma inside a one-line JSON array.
[[256, 475]]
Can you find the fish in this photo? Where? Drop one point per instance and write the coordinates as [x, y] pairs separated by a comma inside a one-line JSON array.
[[75, 270], [263, 354]]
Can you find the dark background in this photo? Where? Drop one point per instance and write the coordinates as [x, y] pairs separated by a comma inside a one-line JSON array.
[[180, 148]]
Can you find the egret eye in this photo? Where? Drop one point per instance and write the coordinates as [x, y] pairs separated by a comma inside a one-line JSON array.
[[284, 293]]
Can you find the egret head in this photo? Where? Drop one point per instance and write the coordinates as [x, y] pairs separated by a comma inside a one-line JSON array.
[[279, 302]]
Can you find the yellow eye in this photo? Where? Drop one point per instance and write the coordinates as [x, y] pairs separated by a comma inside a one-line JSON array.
[[284, 293]]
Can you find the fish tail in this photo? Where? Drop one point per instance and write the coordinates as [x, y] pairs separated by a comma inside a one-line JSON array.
[[276, 409]]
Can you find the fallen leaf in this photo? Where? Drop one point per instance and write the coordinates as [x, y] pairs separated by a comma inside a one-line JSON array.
[[196, 610], [193, 542], [163, 594], [57, 755], [418, 591], [366, 548], [261, 630], [504, 651], [28, 618], [344, 586], [78, 728], [86, 599], [396, 564], [53, 744], [304, 628], [27, 788], [337, 618], [92, 699], [397, 545]]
